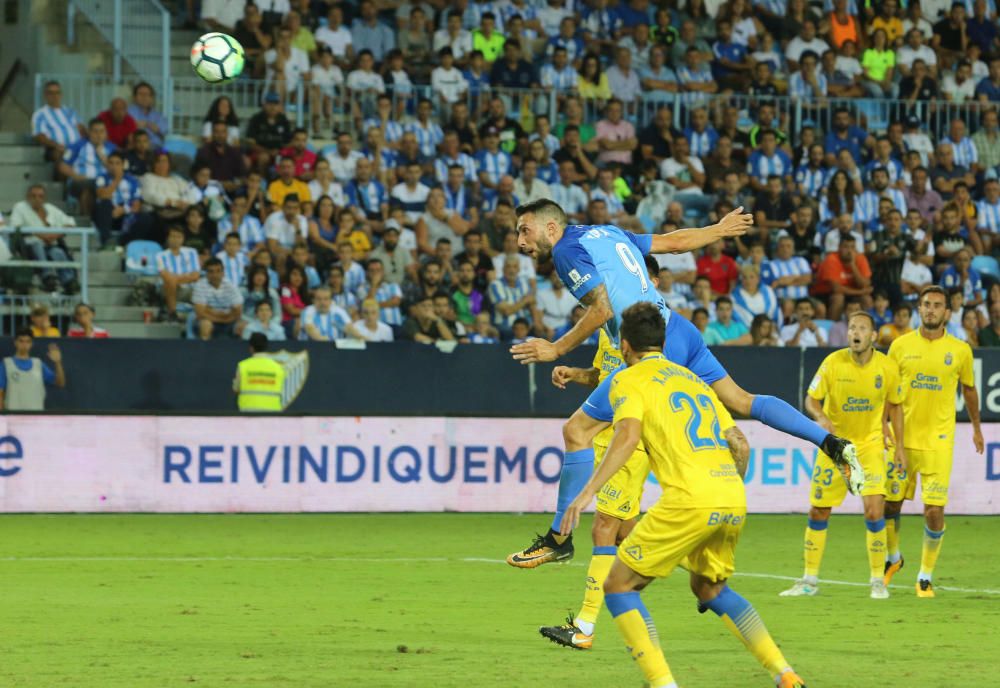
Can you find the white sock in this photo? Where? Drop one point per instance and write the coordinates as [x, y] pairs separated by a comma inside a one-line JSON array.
[[811, 580], [924, 577], [894, 557], [586, 627]]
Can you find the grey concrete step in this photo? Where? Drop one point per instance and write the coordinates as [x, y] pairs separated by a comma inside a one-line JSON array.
[[106, 261], [102, 278], [126, 314], [12, 138], [141, 330], [75, 241], [20, 154], [12, 193], [109, 296], [17, 177]]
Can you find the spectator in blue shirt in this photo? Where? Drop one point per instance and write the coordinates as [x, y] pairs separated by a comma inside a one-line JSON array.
[[731, 66], [566, 39], [84, 161], [846, 136], [960, 275], [368, 33], [145, 114], [512, 71], [119, 202], [726, 330], [988, 90]]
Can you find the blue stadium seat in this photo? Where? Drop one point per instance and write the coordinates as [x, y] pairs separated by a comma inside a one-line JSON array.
[[824, 325], [326, 150], [140, 258], [986, 265], [182, 153]]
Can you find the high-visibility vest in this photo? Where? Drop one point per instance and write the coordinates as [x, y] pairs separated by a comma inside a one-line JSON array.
[[262, 381]]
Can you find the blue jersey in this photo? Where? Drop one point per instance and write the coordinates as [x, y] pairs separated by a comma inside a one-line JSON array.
[[591, 255]]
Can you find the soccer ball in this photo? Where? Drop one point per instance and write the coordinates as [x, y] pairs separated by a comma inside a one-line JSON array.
[[217, 58]]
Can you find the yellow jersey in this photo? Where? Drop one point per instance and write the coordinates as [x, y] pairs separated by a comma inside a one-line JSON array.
[[854, 396], [607, 360], [682, 427], [930, 371]]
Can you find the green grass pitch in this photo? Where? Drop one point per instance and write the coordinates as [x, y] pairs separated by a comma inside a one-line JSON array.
[[300, 601]]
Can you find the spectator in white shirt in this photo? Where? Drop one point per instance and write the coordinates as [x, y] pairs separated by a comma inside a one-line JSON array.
[[325, 78], [336, 36], [914, 50], [552, 307], [218, 304], [324, 184], [344, 159], [528, 187], [446, 80], [222, 15], [369, 327], [454, 36], [34, 212], [510, 251], [284, 228], [265, 323], [365, 85], [804, 332], [806, 40], [286, 64]]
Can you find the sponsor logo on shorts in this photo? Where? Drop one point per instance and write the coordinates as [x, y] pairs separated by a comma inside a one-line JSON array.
[[625, 508], [635, 551], [895, 488], [819, 492]]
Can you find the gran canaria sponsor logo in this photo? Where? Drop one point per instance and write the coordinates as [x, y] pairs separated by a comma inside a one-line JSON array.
[[857, 405], [928, 382]]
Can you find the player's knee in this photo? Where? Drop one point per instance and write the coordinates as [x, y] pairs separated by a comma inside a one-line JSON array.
[[604, 530], [874, 510], [819, 513], [893, 508], [576, 435]]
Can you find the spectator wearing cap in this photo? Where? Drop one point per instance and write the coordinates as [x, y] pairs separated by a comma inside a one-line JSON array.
[[41, 322], [143, 111], [83, 326], [368, 33], [268, 131], [119, 202], [55, 126], [225, 161]]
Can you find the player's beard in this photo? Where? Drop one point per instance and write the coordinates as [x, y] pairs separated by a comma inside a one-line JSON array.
[[543, 250], [932, 326]]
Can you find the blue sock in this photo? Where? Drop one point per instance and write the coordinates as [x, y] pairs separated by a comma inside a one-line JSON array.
[[576, 471], [781, 415]]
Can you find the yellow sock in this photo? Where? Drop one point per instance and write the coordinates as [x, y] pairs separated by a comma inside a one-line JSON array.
[[593, 597], [745, 623], [814, 545], [636, 627], [931, 550], [875, 537], [892, 538]]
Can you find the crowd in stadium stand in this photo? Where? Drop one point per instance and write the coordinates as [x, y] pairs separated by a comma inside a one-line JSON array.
[[405, 228]]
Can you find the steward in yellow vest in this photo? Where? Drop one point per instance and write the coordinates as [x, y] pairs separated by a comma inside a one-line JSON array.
[[260, 380]]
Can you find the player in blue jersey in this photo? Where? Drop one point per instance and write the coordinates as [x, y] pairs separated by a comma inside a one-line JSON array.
[[603, 266]]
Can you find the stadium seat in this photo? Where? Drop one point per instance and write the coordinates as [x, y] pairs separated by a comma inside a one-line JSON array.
[[824, 325], [140, 258], [327, 150], [182, 152], [986, 265]]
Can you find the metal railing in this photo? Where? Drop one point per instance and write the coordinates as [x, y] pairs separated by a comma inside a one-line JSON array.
[[15, 310], [81, 264], [192, 97], [139, 34]]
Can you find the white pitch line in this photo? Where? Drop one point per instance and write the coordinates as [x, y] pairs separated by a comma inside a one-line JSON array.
[[428, 560]]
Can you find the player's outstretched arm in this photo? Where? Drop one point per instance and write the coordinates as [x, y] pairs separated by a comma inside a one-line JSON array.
[[628, 432], [971, 398], [734, 224], [739, 449], [814, 407], [563, 375], [598, 312]]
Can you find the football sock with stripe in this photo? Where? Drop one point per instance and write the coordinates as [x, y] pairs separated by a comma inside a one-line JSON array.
[[743, 621], [593, 597], [576, 470], [930, 552], [892, 538], [875, 538], [636, 626], [781, 415], [815, 543]]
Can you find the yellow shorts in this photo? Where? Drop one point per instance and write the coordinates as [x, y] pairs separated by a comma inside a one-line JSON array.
[[620, 497], [703, 541], [934, 468], [828, 487]]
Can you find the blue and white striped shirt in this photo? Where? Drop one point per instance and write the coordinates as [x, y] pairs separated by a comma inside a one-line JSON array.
[[893, 167], [251, 231], [457, 201], [346, 300], [354, 278], [610, 199], [988, 216], [549, 173], [385, 291], [509, 9], [82, 157], [965, 153], [761, 166], [774, 269], [778, 7], [798, 87], [495, 165], [564, 80], [368, 197], [574, 47], [686, 76], [330, 325], [826, 213], [234, 267], [442, 164], [60, 125], [393, 130], [126, 191], [491, 197], [428, 137], [868, 203], [765, 301], [551, 142], [702, 143], [184, 262], [502, 292], [570, 197], [811, 180]]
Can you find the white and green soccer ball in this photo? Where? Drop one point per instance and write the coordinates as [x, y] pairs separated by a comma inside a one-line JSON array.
[[217, 58]]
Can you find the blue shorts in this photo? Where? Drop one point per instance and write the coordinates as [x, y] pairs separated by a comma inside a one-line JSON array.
[[684, 346]]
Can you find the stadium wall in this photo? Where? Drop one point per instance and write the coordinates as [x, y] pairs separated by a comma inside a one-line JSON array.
[[315, 464], [402, 379]]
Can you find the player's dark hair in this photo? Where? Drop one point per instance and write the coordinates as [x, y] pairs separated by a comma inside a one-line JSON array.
[[543, 206], [933, 289], [643, 327], [232, 235], [24, 332], [258, 341], [211, 263], [652, 267], [699, 311]]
